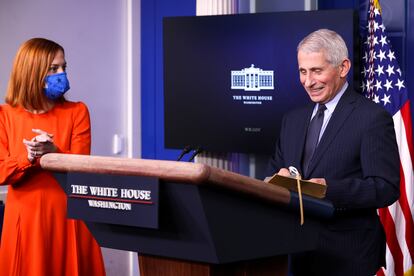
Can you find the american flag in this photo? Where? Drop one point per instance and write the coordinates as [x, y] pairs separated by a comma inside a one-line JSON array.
[[383, 82]]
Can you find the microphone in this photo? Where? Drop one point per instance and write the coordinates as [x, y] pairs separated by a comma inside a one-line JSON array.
[[196, 151], [185, 150]]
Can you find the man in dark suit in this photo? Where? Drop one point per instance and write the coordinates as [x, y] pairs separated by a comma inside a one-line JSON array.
[[347, 142]]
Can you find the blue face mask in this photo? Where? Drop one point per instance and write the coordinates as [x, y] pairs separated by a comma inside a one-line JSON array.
[[56, 85]]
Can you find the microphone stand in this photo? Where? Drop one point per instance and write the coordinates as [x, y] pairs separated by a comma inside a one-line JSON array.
[[196, 151], [185, 150]]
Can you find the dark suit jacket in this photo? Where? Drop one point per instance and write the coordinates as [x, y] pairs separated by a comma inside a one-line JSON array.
[[358, 157]]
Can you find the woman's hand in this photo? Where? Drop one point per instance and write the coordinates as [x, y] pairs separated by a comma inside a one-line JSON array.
[[39, 145]]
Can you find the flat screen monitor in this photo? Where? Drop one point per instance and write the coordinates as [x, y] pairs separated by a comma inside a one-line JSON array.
[[229, 79]]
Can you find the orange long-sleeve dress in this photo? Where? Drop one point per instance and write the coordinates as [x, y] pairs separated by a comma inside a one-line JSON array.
[[37, 237]]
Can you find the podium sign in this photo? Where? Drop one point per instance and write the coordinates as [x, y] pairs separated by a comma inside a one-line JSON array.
[[113, 199]]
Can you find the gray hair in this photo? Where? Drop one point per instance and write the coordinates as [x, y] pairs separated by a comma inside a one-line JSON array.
[[327, 41]]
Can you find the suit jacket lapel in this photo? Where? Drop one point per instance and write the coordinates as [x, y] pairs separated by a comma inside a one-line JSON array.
[[341, 113]]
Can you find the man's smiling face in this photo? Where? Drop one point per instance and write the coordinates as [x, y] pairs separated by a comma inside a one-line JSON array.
[[321, 79]]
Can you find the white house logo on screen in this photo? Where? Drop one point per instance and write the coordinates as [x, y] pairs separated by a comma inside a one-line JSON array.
[[252, 79]]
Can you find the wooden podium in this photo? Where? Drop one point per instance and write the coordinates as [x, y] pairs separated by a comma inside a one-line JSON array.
[[199, 220]]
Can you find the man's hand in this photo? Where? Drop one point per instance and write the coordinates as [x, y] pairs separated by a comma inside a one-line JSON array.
[[318, 180], [283, 172]]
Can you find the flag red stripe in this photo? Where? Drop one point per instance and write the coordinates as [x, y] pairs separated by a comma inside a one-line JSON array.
[[405, 207], [392, 241], [406, 115], [380, 272]]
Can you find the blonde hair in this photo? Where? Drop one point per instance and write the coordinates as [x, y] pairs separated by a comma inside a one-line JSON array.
[[30, 67]]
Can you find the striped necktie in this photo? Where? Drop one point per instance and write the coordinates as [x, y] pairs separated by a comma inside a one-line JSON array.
[[312, 137]]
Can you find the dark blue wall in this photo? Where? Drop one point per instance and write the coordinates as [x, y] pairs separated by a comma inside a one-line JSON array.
[[152, 99], [409, 57]]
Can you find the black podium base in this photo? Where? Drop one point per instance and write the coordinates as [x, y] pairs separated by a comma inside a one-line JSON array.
[[157, 266]]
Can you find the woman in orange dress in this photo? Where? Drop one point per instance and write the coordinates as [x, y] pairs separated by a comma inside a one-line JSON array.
[[37, 238]]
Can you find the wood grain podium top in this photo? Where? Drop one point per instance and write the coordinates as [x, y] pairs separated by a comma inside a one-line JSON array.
[[183, 172]]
